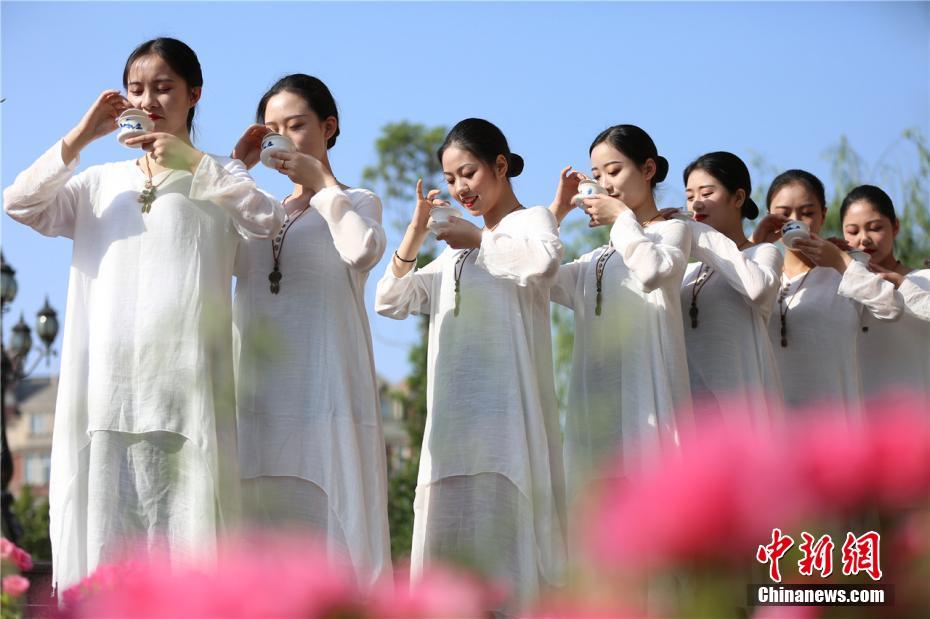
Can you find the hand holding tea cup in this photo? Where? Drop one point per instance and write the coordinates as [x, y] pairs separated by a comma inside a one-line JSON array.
[[603, 209], [823, 253], [168, 150], [841, 243], [304, 170], [459, 233], [98, 121], [768, 230], [248, 148]]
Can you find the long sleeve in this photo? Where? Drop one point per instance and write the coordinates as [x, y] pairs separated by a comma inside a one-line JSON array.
[[915, 294], [357, 233], [526, 258], [655, 256], [254, 213], [398, 297], [870, 290], [563, 288], [757, 278], [46, 196]]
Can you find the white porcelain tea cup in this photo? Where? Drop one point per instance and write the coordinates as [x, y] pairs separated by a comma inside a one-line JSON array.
[[441, 215], [275, 143], [132, 123], [586, 189], [793, 231]]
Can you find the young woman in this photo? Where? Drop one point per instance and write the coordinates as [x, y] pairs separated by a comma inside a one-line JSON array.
[[144, 451], [311, 448], [815, 323], [727, 296], [629, 386], [897, 355], [490, 486]]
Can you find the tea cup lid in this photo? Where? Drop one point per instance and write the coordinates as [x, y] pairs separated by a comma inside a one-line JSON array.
[[132, 112]]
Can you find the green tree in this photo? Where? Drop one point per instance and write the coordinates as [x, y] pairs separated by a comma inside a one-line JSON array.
[[32, 513], [406, 152]]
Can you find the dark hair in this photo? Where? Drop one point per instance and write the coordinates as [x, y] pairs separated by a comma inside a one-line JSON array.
[[483, 140], [178, 56], [635, 144], [811, 182], [732, 174], [312, 90], [879, 200]]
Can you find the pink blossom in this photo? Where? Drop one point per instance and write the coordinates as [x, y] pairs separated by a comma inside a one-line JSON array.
[[11, 552], [719, 497], [260, 576], [441, 591], [788, 612], [15, 585]]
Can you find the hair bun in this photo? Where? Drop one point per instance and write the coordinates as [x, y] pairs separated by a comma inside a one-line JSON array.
[[749, 210], [661, 169], [514, 165]]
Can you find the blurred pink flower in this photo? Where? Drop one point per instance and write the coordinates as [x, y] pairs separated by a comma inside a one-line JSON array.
[[731, 485], [15, 585], [722, 494], [13, 553], [788, 612], [261, 576], [440, 592]]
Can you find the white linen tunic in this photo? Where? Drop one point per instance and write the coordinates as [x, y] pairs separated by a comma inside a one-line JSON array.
[[311, 448], [490, 484], [629, 384], [820, 364], [144, 444], [730, 356], [897, 355]]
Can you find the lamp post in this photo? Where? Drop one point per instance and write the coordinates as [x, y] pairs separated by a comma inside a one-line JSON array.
[[13, 369]]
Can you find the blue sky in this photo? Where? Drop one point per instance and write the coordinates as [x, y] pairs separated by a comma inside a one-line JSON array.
[[783, 80]]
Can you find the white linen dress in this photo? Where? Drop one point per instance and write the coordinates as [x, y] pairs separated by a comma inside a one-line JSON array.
[[311, 448], [490, 486], [896, 356], [820, 364], [144, 444], [730, 357], [629, 384]]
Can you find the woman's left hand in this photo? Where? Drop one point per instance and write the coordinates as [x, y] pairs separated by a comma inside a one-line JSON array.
[[168, 150], [459, 234], [603, 209], [823, 253], [304, 170]]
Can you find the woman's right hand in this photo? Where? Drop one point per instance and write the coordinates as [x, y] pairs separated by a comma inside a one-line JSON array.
[[248, 148], [97, 122], [769, 229], [425, 203]]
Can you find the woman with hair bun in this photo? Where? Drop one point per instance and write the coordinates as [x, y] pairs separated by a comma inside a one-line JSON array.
[[728, 294], [629, 387], [490, 488], [311, 448], [891, 355], [144, 449], [824, 293]]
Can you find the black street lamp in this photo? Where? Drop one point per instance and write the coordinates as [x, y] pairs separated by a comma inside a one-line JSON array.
[[14, 361]]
